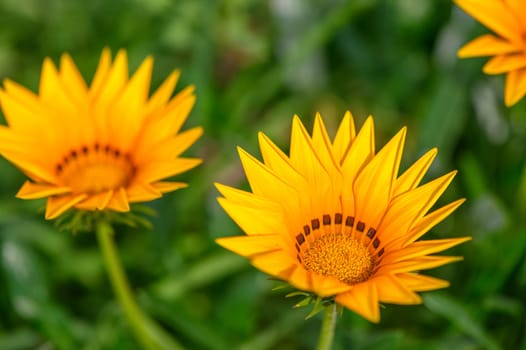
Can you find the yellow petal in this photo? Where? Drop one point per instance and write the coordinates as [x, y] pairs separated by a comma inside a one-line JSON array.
[[487, 45], [515, 86], [330, 199], [72, 78], [421, 283], [373, 186], [273, 262], [323, 147], [344, 137], [495, 15], [165, 124], [411, 206], [96, 201], [430, 220], [59, 204], [304, 159], [167, 148], [247, 198], [140, 192], [421, 263], [248, 246], [518, 8], [391, 290], [119, 201], [505, 63], [156, 171], [422, 248], [21, 107], [254, 220], [130, 103], [263, 181], [362, 299], [168, 186], [102, 72], [297, 277], [52, 92], [412, 176], [325, 286], [278, 162], [361, 151], [30, 190], [163, 93], [19, 152]]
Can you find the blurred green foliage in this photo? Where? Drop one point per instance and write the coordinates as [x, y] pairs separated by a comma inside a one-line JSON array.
[[255, 64]]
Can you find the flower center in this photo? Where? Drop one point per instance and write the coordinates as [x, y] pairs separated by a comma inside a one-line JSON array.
[[343, 247], [95, 169], [340, 256]]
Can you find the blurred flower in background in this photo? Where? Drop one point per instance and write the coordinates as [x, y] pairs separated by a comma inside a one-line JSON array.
[[507, 18], [335, 219], [97, 147]]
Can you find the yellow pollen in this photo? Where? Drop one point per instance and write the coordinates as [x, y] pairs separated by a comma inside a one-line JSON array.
[[95, 169], [339, 256]]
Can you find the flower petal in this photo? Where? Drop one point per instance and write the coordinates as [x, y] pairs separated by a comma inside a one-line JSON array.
[[119, 201], [505, 63], [344, 137], [422, 263], [248, 246], [57, 205], [487, 45], [362, 299], [412, 176], [421, 248], [374, 185], [391, 290], [355, 159], [409, 207], [495, 15], [421, 283], [515, 86], [429, 221], [30, 190]]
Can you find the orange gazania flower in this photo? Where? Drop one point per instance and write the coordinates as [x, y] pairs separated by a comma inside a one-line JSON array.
[[507, 18], [334, 218], [97, 147]]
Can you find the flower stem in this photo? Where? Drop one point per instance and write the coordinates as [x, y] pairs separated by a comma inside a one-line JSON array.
[[149, 334], [327, 328]]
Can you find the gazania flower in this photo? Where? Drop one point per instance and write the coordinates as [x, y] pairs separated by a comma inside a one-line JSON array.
[[97, 147], [333, 218], [507, 18]]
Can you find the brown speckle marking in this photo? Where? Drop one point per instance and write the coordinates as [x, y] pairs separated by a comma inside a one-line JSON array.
[[300, 238], [376, 243], [315, 224], [306, 229], [338, 218], [326, 219], [361, 226], [349, 221], [371, 232]]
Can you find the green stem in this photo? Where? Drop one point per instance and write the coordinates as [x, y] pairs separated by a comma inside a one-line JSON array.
[[149, 334], [327, 328]]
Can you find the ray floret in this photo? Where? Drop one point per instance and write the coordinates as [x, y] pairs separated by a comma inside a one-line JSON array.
[[335, 218], [99, 146]]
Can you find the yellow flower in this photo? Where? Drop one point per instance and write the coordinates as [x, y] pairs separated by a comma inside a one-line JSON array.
[[97, 147], [507, 18], [334, 219]]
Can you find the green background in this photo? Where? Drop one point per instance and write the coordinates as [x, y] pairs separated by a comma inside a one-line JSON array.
[[254, 65]]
